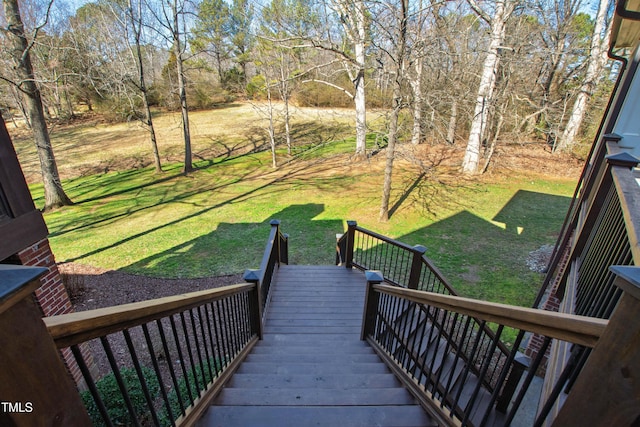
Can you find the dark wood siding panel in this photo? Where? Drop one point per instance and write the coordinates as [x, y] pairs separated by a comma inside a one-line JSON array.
[[12, 182], [21, 224], [21, 232]]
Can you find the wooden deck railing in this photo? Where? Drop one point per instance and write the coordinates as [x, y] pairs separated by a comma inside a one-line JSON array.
[[173, 355], [444, 381], [402, 265], [407, 267], [276, 252]]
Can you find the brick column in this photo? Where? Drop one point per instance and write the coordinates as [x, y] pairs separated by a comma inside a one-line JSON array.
[[52, 298]]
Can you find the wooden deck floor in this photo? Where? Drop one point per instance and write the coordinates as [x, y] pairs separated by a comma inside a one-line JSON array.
[[311, 369]]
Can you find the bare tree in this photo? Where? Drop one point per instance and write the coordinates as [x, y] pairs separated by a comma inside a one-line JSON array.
[[352, 17], [135, 18], [596, 62], [399, 60], [20, 52], [497, 19], [171, 18]]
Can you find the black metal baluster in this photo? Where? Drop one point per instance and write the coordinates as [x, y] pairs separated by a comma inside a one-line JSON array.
[[156, 368], [187, 341], [452, 374], [481, 375], [449, 344], [116, 372], [440, 319], [203, 332], [527, 381], [217, 347], [431, 318], [425, 312], [143, 382], [77, 354], [235, 301], [170, 362], [219, 335], [228, 309], [468, 364], [182, 361], [224, 328], [196, 343]]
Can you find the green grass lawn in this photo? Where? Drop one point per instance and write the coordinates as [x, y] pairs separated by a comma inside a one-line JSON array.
[[216, 220]]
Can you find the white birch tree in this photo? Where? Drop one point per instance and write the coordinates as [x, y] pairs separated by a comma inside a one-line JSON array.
[[595, 63], [495, 14]]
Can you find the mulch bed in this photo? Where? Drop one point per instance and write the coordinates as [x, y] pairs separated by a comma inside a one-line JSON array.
[[92, 287]]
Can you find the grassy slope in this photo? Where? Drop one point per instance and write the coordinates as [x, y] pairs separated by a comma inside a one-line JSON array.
[[216, 220]]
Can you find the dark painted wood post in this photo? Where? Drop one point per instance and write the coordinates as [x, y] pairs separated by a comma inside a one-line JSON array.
[[284, 249], [520, 364], [351, 235], [253, 276], [371, 301], [275, 223], [340, 248], [36, 389], [416, 266], [607, 392]]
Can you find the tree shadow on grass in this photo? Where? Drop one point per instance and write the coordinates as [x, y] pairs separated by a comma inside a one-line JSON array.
[[233, 247], [266, 184], [488, 259]]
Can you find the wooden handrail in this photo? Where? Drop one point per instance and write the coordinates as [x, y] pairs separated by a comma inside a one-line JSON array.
[[567, 327], [75, 328]]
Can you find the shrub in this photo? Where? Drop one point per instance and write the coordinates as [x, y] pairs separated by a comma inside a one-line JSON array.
[[184, 385], [114, 401]]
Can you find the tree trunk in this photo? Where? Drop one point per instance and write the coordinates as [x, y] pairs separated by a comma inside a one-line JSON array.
[[416, 86], [597, 60], [359, 96], [148, 120], [272, 130], [285, 93], [53, 192], [485, 90], [395, 113], [186, 132], [453, 122]]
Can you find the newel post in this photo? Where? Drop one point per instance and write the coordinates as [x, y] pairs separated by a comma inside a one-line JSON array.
[[275, 233], [36, 389], [351, 236], [607, 392], [371, 301], [253, 276], [284, 249], [416, 266]]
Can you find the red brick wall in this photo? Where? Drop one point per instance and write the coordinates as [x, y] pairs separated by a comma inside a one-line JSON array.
[[51, 296], [552, 303]]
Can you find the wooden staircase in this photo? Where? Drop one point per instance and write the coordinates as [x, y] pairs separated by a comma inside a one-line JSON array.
[[311, 368]]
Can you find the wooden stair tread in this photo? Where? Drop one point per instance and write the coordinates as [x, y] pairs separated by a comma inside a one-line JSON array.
[[311, 368], [315, 397], [332, 381], [322, 416], [312, 358]]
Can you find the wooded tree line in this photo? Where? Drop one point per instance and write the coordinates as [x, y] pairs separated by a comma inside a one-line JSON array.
[[465, 72]]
